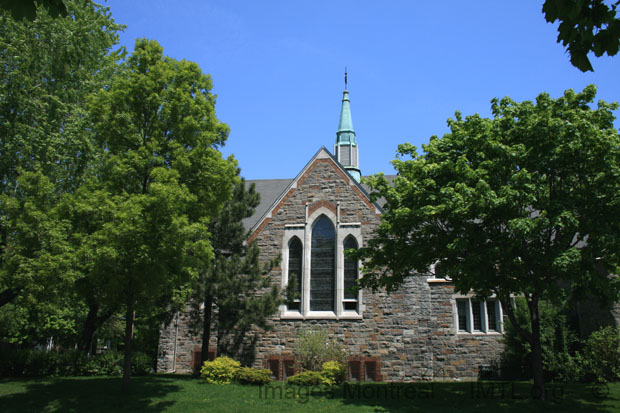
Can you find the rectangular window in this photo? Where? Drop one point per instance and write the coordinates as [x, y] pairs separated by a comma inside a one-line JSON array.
[[462, 314], [274, 366], [355, 370], [371, 370], [477, 315], [491, 316], [289, 368]]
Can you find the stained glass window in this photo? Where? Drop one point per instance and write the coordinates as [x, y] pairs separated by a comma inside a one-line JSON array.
[[322, 266], [295, 254], [350, 270]]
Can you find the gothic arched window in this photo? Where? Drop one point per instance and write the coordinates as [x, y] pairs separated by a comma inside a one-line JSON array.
[[350, 275], [295, 258], [323, 265]]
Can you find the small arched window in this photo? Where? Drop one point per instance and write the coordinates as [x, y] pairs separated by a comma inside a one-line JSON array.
[[323, 266], [295, 257], [350, 275]]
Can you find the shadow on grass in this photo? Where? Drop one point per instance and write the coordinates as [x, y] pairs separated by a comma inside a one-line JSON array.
[[474, 396], [89, 394]]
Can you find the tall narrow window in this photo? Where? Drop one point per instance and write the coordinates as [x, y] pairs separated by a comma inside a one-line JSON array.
[[295, 254], [350, 275], [462, 314], [322, 265], [476, 313], [491, 316]]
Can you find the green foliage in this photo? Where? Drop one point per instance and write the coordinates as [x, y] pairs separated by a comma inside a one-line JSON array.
[[315, 347], [333, 372], [601, 355], [585, 26], [141, 364], [307, 378], [230, 282], [222, 370], [561, 359], [248, 375], [35, 363], [514, 205]]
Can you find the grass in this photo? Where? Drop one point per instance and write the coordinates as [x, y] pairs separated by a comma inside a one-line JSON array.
[[186, 394]]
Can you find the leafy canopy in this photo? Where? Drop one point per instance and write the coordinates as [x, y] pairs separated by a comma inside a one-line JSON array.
[[511, 204], [585, 26]]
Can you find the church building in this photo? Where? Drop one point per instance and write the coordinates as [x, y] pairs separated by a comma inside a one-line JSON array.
[[423, 331]]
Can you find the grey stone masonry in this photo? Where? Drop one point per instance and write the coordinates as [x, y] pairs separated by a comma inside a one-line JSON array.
[[411, 333]]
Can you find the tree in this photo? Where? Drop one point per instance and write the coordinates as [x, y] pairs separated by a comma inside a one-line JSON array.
[[160, 179], [27, 9], [585, 26], [48, 68], [231, 282], [522, 204]]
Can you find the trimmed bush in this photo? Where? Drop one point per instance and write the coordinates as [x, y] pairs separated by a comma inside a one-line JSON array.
[[307, 378], [248, 375], [141, 364], [219, 371], [601, 355], [333, 373]]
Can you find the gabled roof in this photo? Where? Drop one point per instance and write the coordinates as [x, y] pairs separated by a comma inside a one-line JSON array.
[[272, 191]]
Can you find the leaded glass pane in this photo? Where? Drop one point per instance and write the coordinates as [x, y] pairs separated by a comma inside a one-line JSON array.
[[475, 310], [462, 314], [295, 253], [491, 315], [322, 266], [350, 270]]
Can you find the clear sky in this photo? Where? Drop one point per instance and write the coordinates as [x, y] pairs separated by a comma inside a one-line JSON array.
[[277, 68]]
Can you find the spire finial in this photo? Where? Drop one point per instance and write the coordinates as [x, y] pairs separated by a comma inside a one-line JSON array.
[[345, 77]]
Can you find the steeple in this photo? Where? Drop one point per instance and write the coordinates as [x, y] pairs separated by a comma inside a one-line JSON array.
[[345, 148]]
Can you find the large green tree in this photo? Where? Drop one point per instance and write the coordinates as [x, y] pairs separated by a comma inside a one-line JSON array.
[[585, 26], [48, 67], [521, 204], [230, 283], [160, 179]]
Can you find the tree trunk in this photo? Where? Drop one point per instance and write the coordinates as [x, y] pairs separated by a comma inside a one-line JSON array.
[[206, 330], [88, 330], [129, 316], [537, 361], [91, 325]]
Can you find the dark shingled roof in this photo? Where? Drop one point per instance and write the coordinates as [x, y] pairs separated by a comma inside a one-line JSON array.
[[271, 189]]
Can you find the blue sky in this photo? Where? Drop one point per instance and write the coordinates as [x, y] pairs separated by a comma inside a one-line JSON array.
[[277, 68]]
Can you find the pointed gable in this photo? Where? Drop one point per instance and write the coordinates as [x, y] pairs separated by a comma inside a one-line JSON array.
[[332, 171]]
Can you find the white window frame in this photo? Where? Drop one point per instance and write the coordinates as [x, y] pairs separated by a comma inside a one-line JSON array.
[[304, 233], [469, 315]]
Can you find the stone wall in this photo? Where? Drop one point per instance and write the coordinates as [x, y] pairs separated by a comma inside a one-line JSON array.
[[411, 332]]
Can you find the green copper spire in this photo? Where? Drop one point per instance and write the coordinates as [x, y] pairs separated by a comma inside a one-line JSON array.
[[345, 148]]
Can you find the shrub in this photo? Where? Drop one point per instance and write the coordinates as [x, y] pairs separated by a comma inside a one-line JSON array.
[[307, 378], [333, 373], [248, 375], [601, 355], [561, 361], [315, 348], [219, 371], [105, 364], [141, 364]]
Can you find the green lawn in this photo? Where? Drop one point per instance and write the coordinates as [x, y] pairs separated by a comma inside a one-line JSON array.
[[185, 394]]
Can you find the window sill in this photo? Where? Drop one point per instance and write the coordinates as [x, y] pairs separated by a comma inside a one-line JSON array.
[[437, 280], [320, 315], [479, 333]]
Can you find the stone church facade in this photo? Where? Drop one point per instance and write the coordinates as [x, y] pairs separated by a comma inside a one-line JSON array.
[[423, 331]]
